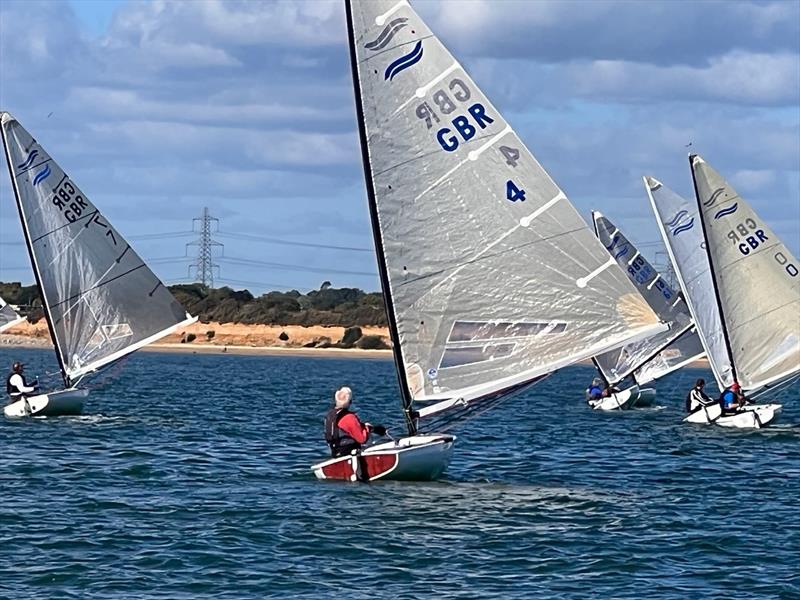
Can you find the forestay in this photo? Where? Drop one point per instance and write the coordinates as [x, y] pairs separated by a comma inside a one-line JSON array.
[[8, 316], [757, 282], [679, 223], [491, 277], [667, 304], [101, 301]]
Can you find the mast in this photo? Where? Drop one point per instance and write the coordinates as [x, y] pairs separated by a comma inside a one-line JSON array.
[[711, 268], [26, 234], [383, 272]]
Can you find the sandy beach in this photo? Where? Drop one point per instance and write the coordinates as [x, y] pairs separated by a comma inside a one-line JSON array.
[[228, 338]]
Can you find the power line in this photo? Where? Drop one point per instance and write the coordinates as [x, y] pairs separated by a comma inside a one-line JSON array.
[[204, 264], [304, 268], [271, 240]]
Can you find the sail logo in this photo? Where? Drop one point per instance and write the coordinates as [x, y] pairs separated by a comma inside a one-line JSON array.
[[713, 198], [726, 211], [404, 62], [623, 249], [29, 161], [676, 225], [380, 42], [42, 175]]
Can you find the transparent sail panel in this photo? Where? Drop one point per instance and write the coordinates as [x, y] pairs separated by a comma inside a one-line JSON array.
[[8, 316], [494, 277], [682, 351], [667, 304], [102, 299], [758, 282], [680, 227]]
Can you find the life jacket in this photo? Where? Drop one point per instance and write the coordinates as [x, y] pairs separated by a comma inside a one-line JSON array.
[[727, 398], [11, 389], [594, 392], [339, 440]]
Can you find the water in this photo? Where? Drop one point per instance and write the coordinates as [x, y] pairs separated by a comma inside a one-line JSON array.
[[188, 478]]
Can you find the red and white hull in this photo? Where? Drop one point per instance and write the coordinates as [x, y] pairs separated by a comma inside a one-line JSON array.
[[421, 457]]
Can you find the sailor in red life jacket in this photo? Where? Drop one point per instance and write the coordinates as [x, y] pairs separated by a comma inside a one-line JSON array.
[[344, 431]]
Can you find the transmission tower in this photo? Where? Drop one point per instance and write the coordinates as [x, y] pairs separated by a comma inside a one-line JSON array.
[[204, 265]]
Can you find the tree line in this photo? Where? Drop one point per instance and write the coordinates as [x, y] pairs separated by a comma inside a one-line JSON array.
[[326, 306]]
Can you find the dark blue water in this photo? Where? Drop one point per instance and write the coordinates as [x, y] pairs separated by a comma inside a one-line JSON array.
[[188, 478]]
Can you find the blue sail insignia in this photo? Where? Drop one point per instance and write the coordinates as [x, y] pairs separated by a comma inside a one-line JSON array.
[[28, 161], [713, 198], [404, 62], [387, 34], [726, 211], [685, 227], [42, 175], [674, 220]]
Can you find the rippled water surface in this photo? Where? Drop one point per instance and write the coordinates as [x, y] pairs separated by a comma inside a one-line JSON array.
[[188, 478]]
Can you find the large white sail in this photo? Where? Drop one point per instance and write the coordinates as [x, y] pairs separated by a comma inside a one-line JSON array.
[[670, 307], [8, 316], [491, 277], [679, 223], [101, 301], [757, 281]]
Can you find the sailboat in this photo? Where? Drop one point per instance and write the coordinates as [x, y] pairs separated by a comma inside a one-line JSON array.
[[657, 356], [100, 300], [8, 316], [742, 287], [490, 277]]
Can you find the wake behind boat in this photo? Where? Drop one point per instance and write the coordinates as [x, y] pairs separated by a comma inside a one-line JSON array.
[[491, 279], [100, 300], [742, 287]]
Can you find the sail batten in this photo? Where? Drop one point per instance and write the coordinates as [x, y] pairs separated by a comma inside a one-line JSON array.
[[101, 301]]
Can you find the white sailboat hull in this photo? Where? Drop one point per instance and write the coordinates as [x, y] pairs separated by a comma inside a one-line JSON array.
[[626, 399], [52, 404], [414, 458], [753, 416]]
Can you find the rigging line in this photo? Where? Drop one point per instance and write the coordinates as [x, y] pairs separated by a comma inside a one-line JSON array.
[[271, 240], [246, 261]]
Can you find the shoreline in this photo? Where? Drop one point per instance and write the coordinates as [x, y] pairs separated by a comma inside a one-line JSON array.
[[29, 342]]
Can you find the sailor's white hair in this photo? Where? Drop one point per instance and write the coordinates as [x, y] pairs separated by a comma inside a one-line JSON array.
[[343, 397]]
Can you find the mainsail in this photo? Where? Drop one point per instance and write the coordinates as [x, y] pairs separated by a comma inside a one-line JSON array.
[[101, 301], [490, 276], [8, 316], [678, 221], [670, 307], [757, 283]]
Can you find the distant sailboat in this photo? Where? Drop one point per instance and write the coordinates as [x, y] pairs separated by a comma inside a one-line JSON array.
[[100, 300], [491, 278], [8, 316], [742, 286], [652, 358]]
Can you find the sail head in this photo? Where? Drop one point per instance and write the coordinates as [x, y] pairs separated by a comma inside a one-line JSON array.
[[101, 299], [494, 277]]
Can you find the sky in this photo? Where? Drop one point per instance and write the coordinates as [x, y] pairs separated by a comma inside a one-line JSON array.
[[158, 109]]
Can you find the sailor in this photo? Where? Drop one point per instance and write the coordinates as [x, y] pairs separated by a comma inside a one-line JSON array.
[[697, 397], [595, 391], [732, 399], [344, 431], [16, 386]]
